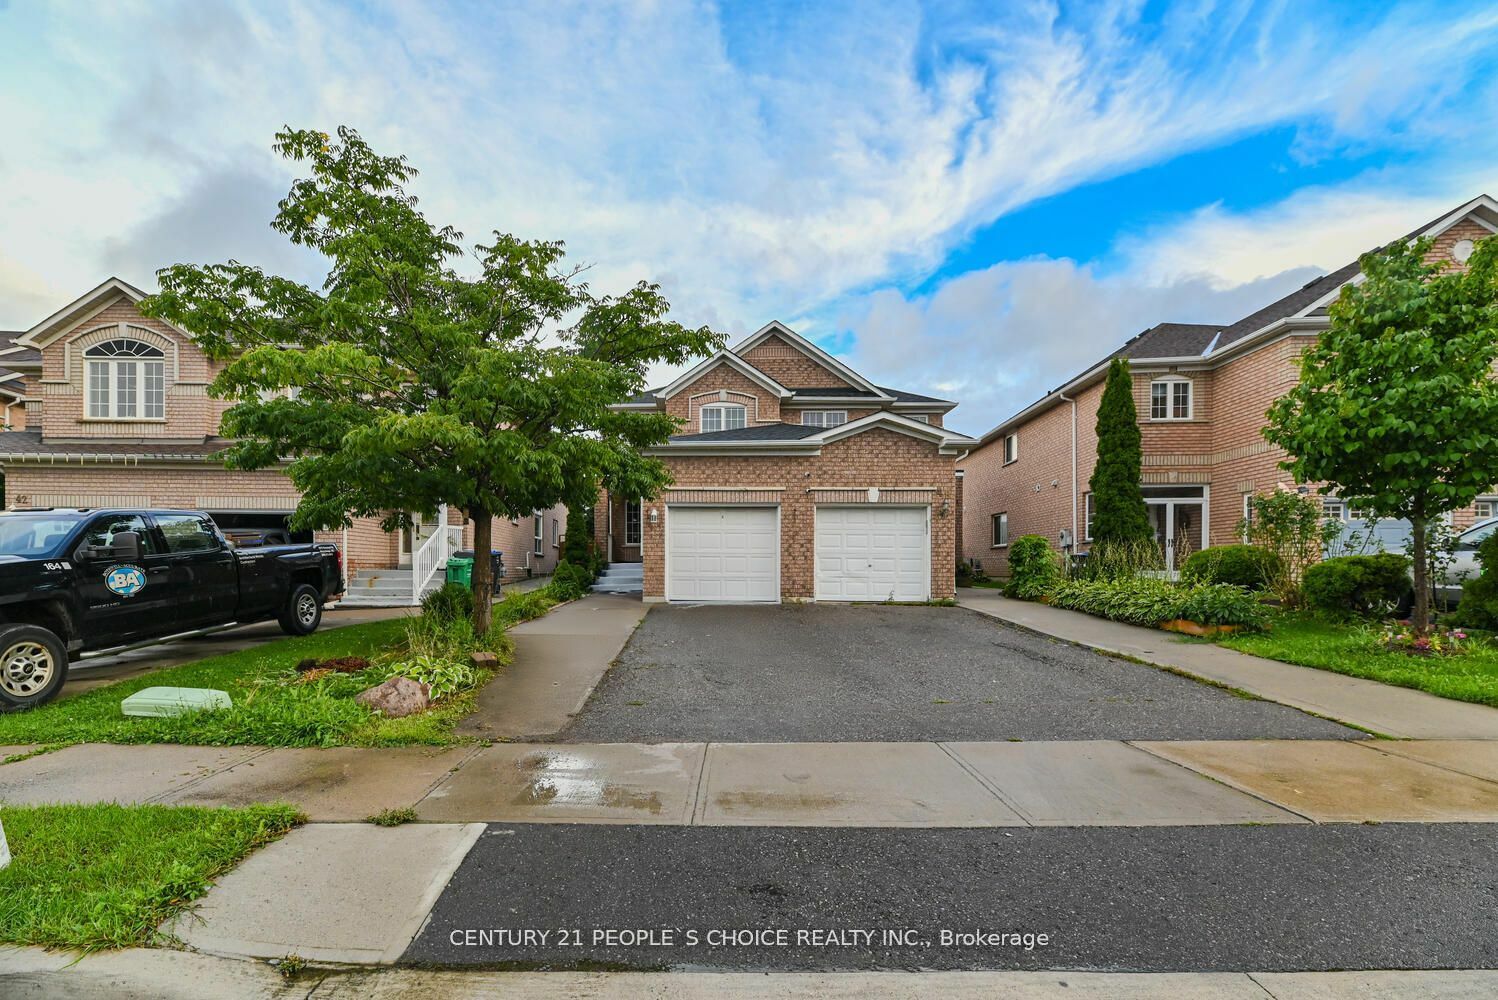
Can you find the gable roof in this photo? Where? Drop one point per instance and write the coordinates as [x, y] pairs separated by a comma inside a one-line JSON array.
[[1206, 342], [77, 311], [775, 328], [809, 438], [14, 355], [733, 361]]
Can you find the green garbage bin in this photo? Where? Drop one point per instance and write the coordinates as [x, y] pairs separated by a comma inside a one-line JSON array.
[[460, 570]]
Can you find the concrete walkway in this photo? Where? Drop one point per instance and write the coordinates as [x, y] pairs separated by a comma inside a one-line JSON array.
[[934, 785], [177, 975], [1381, 708], [559, 659]]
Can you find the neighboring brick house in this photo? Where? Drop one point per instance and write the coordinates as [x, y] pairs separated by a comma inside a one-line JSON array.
[[1201, 391], [117, 412], [796, 479]]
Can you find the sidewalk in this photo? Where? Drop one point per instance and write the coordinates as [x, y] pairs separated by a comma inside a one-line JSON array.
[[175, 975], [930, 785], [1381, 708]]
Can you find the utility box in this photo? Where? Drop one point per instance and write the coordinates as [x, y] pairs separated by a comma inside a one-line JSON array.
[[164, 702]]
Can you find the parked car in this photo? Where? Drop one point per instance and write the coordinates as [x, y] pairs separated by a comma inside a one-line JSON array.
[[1464, 565], [80, 582]]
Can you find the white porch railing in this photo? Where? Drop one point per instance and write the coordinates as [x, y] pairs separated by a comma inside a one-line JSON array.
[[431, 556]]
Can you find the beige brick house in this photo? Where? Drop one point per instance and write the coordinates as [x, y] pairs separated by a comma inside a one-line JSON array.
[[796, 479], [1201, 392], [109, 407]]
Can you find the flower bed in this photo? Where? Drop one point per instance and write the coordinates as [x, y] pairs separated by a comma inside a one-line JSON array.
[[1151, 602]]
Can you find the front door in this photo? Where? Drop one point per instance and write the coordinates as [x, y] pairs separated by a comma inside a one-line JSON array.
[[422, 527], [1178, 528]]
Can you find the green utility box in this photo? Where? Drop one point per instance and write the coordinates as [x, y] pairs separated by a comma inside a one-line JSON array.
[[161, 702], [460, 570]]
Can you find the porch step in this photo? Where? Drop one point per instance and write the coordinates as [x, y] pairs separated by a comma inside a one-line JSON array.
[[621, 578], [384, 588]]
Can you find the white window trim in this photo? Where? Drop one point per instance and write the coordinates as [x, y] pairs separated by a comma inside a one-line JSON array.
[[540, 534], [1491, 501], [639, 524], [842, 416], [113, 366], [993, 523], [1014, 437], [1170, 383], [556, 540], [702, 416], [1087, 514]]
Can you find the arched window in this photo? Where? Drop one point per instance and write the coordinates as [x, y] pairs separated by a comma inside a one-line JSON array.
[[722, 417], [126, 380]]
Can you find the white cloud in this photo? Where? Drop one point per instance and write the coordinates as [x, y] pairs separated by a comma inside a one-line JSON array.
[[763, 165]]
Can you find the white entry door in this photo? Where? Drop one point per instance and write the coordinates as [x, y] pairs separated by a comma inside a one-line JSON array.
[[873, 553], [722, 554]]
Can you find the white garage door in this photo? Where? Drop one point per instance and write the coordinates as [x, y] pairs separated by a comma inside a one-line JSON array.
[[873, 553], [722, 554]]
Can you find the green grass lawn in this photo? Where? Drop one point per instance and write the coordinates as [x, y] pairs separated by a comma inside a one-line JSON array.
[[104, 876], [269, 709], [1312, 642]]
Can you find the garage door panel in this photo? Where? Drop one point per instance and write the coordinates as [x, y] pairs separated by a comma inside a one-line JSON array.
[[722, 554], [872, 554]]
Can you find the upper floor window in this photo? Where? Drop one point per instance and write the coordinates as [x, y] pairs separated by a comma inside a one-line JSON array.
[[1485, 507], [824, 418], [126, 380], [1170, 399], [723, 417], [539, 522], [1011, 448], [924, 418]]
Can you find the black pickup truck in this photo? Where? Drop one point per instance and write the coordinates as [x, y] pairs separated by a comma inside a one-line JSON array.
[[77, 582]]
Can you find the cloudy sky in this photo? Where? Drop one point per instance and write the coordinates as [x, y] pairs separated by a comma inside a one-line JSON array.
[[973, 200]]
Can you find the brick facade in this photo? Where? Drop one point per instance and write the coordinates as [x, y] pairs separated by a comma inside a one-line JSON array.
[[879, 457], [1220, 448]]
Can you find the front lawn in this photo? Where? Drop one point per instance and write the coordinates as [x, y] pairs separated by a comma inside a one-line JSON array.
[[273, 705], [1313, 642], [106, 875]]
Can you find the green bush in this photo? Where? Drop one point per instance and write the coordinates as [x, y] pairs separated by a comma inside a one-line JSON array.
[[1479, 606], [1147, 601], [1357, 585], [1241, 565], [1034, 568], [448, 602], [569, 581]]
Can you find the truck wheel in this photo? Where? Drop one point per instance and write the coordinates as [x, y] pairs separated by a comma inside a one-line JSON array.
[[33, 666], [303, 611]]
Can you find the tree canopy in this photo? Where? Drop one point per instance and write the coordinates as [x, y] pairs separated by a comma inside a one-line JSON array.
[[404, 382], [1397, 408]]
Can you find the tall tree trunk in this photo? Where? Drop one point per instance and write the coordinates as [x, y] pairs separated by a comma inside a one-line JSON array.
[[483, 574], [1420, 616]]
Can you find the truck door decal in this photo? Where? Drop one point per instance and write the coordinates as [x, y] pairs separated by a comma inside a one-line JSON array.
[[125, 580]]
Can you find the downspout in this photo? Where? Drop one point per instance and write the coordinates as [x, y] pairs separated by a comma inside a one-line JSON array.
[[1076, 540]]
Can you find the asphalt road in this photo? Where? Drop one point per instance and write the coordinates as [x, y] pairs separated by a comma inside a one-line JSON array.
[[794, 673], [1162, 899]]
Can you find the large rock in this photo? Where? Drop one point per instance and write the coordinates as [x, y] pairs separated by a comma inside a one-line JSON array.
[[397, 697]]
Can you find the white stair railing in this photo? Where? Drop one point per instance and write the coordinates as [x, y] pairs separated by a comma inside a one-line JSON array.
[[429, 557]]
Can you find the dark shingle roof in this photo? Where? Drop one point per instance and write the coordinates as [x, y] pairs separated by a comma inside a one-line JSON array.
[[834, 391], [912, 397], [1170, 340], [761, 432], [29, 444], [29, 356], [644, 397]]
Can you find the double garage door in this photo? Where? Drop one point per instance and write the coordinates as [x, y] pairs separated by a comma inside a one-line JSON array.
[[732, 554]]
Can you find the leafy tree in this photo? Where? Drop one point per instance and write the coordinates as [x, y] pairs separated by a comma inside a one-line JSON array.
[[402, 383], [1289, 532], [1119, 515], [1396, 405]]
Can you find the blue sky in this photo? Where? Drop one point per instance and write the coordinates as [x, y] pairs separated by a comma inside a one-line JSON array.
[[969, 199]]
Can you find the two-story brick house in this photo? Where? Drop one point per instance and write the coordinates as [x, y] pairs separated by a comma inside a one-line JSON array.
[[796, 479], [1201, 391], [114, 410]]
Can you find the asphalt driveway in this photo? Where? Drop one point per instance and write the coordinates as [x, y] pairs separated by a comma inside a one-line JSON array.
[[794, 673]]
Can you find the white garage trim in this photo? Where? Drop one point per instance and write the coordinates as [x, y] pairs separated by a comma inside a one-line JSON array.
[[769, 593], [822, 586]]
